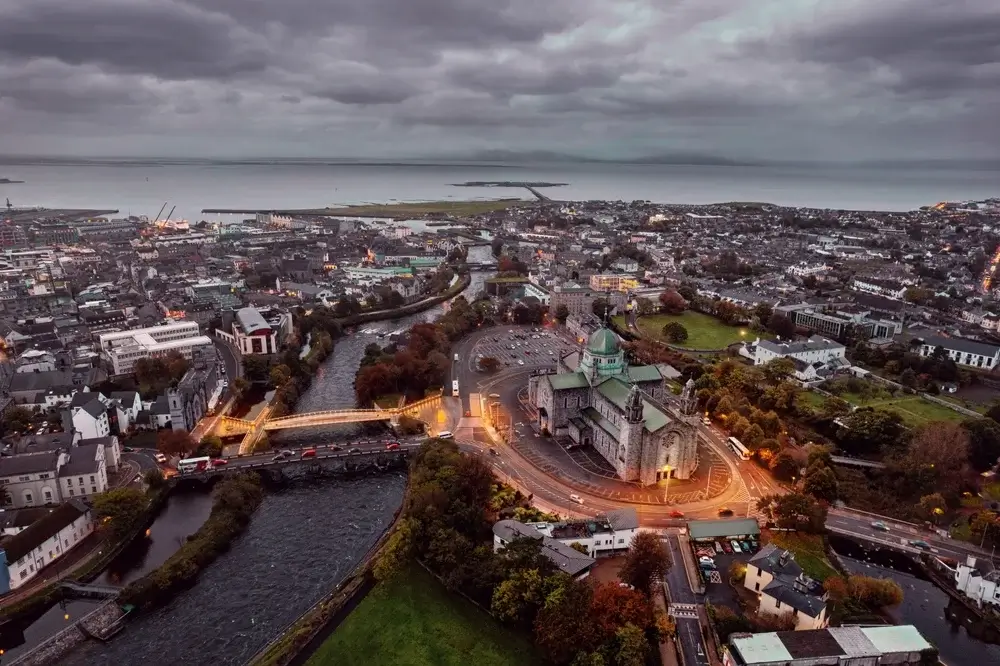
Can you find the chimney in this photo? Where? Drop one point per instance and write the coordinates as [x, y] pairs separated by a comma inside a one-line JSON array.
[[783, 558]]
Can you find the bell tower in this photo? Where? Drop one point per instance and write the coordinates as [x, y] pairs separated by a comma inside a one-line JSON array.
[[632, 434]]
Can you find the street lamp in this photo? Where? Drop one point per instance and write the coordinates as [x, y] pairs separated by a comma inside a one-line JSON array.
[[666, 489]]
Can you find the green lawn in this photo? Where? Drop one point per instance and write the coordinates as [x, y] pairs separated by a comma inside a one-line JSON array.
[[704, 332], [414, 621], [809, 553]]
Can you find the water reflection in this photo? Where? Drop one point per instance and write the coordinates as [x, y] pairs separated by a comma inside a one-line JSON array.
[[958, 635]]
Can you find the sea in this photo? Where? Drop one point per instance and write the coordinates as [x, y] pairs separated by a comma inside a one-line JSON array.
[[142, 187]]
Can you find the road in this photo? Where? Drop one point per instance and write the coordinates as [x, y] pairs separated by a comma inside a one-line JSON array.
[[859, 525], [688, 628], [323, 452]]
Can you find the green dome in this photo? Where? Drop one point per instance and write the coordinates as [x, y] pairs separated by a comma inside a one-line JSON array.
[[603, 342]]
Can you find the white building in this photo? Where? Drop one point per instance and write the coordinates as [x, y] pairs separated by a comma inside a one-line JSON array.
[[535, 291], [25, 555], [122, 349], [816, 349], [90, 419], [30, 479], [981, 588], [886, 288], [608, 534], [84, 473], [567, 560], [803, 269], [783, 588], [963, 352], [253, 334]]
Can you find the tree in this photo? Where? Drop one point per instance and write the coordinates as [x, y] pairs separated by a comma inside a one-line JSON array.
[[174, 443], [579, 547], [781, 325], [255, 368], [984, 443], [762, 312], [908, 378], [518, 598], [779, 369], [874, 593], [784, 466], [240, 386], [17, 419], [932, 506], [630, 646], [675, 332], [489, 364], [644, 306], [121, 506], [279, 375], [647, 560], [600, 307], [794, 510], [561, 313], [154, 478], [936, 457], [210, 445], [822, 484], [867, 431], [672, 302], [834, 407], [613, 606], [561, 629]]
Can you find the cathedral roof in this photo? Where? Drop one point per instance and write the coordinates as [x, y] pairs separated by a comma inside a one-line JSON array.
[[603, 342]]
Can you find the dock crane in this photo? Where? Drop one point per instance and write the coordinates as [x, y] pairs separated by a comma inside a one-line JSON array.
[[170, 214], [160, 213]]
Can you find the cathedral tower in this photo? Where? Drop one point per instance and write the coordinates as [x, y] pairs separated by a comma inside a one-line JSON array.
[[632, 432]]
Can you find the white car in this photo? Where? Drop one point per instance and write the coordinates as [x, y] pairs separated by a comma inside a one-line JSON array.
[[160, 458], [520, 361], [576, 498]]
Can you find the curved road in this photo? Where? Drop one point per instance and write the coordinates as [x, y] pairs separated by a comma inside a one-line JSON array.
[[553, 493]]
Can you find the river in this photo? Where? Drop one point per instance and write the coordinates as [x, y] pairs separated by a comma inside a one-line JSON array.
[[941, 621], [299, 546], [183, 515]]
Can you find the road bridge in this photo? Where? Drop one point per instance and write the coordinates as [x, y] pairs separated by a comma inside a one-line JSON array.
[[252, 430], [330, 455]]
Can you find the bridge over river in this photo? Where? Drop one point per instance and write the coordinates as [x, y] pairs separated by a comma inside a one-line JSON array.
[[422, 410]]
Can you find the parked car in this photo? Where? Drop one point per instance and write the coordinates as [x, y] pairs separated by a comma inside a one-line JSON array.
[[445, 434], [725, 511], [736, 546], [308, 453], [726, 547]]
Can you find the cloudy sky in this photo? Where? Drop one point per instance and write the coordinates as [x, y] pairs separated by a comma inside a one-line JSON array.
[[744, 79]]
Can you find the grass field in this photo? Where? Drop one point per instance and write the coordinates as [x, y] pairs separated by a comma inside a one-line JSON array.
[[414, 621], [914, 410], [421, 209], [704, 332], [809, 553]]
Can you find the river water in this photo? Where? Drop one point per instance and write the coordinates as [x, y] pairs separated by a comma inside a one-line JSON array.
[[299, 546], [941, 621], [183, 515]]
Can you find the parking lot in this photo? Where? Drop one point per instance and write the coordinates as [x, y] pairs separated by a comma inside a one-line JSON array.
[[522, 346], [715, 559]]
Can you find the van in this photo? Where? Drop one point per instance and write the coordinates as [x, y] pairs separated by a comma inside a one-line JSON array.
[[445, 434], [576, 498]]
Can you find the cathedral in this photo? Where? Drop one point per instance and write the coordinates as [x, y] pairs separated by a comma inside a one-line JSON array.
[[596, 399]]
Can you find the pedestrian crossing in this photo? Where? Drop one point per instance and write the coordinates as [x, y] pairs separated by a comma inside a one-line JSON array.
[[683, 610]]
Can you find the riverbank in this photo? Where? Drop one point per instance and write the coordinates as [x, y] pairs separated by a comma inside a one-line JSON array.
[[464, 280], [90, 567], [236, 499]]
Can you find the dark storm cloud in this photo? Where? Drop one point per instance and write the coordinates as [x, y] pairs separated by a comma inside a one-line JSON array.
[[166, 39], [747, 78]]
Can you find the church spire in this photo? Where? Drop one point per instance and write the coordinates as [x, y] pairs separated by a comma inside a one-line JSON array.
[[689, 401], [633, 405]]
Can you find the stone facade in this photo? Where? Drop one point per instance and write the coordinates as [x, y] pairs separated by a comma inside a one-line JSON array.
[[596, 399]]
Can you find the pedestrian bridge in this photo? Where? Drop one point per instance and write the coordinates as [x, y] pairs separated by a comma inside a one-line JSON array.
[[81, 591], [252, 430]]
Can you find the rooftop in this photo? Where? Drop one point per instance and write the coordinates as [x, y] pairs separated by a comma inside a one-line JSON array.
[[19, 545]]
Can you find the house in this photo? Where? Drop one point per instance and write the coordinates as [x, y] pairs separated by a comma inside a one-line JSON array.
[[89, 415], [112, 450], [129, 403], [983, 588], [30, 479], [29, 388], [837, 646], [879, 287], [24, 555], [84, 473], [253, 333], [963, 352], [566, 559], [812, 358], [607, 534], [783, 588]]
